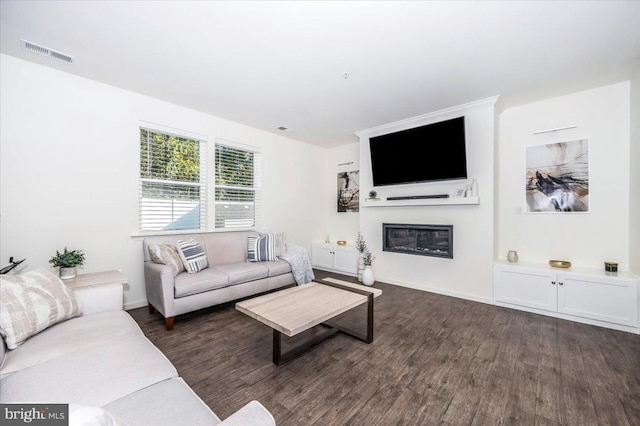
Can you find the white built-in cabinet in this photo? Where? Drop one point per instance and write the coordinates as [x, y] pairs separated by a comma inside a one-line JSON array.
[[336, 258], [585, 295]]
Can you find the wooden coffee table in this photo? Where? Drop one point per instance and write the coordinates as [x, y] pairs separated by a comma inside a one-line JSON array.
[[300, 308]]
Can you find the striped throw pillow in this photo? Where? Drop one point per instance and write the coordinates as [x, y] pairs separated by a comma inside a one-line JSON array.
[[193, 256], [281, 241], [262, 248], [31, 302]]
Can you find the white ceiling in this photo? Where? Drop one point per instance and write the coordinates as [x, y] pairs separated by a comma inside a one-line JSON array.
[[267, 64]]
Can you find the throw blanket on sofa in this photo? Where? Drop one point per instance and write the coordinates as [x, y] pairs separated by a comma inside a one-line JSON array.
[[298, 258]]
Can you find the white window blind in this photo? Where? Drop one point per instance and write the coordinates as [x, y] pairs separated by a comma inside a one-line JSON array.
[[172, 189], [237, 186]]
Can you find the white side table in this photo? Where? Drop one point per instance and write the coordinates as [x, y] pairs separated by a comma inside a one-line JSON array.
[[95, 279], [99, 291]]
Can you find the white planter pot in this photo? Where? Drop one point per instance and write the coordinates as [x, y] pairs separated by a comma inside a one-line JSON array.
[[360, 267], [367, 276], [68, 273]]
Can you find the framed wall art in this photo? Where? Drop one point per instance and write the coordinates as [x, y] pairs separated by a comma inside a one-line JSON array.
[[348, 191], [557, 177]]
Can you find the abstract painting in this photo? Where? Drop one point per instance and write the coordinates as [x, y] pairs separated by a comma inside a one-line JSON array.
[[557, 177], [348, 191]]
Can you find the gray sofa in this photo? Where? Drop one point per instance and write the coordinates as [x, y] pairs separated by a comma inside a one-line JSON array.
[[103, 366], [229, 275]]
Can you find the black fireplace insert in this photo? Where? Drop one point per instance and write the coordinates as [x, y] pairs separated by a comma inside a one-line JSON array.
[[423, 240]]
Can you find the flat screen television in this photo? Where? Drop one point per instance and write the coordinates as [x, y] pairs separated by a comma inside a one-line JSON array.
[[434, 152]]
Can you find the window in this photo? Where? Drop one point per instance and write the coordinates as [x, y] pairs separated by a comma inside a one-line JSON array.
[[172, 188], [236, 187]]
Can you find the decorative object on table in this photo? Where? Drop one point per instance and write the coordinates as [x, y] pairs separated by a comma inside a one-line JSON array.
[[512, 256], [560, 263], [361, 246], [611, 266], [10, 266], [373, 195], [68, 262], [557, 177], [367, 274], [348, 191], [474, 188], [341, 242]]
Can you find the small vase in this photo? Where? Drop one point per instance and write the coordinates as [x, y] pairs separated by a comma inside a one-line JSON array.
[[512, 256], [367, 276], [67, 273], [360, 267]]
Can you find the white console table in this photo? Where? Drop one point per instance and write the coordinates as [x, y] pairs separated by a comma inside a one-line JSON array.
[[587, 295], [335, 258]]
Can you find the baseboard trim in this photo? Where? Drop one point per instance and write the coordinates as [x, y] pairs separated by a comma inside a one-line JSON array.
[[135, 304], [598, 323], [457, 294], [350, 274]]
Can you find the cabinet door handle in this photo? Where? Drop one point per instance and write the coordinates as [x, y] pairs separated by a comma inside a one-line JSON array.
[[553, 282], [560, 283]]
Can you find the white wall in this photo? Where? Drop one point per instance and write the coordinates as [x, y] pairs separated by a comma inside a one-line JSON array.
[[469, 274], [634, 178], [343, 225], [69, 158], [587, 239]]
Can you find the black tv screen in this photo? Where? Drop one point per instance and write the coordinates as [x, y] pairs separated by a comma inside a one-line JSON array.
[[434, 152]]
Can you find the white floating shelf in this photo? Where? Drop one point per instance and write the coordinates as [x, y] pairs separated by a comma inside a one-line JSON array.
[[454, 201]]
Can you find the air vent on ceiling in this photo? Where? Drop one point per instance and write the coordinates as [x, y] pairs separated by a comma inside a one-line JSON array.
[[45, 51]]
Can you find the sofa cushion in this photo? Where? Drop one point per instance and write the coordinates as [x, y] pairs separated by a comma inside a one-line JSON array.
[[252, 413], [242, 272], [71, 336], [96, 375], [3, 353], [166, 254], [262, 248], [90, 415], [193, 256], [224, 248], [278, 267], [146, 407], [208, 279], [31, 302]]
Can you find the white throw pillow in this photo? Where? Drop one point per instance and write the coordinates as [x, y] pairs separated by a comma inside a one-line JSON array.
[[166, 254], [193, 256], [31, 302]]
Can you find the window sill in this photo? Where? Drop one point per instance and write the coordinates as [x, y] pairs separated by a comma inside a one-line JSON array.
[[142, 235]]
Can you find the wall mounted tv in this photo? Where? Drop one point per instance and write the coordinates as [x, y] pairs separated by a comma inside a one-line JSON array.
[[434, 152]]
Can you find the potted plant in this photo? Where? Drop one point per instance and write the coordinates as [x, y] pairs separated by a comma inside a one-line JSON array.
[[367, 274], [68, 261], [361, 246]]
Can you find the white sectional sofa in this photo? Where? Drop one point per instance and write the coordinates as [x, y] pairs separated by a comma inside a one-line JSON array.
[[101, 360]]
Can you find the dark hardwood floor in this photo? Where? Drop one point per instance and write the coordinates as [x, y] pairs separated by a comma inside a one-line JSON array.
[[435, 360]]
